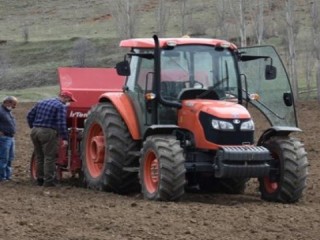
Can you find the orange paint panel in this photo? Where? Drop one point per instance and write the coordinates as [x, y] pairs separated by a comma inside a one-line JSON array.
[[220, 109], [149, 42], [188, 117]]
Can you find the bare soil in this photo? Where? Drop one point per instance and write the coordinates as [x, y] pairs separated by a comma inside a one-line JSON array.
[[66, 212]]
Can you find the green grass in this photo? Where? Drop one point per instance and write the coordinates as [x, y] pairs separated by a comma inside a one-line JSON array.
[[35, 64], [32, 94]]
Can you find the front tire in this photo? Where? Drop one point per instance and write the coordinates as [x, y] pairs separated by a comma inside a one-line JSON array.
[[105, 151], [290, 170], [162, 169]]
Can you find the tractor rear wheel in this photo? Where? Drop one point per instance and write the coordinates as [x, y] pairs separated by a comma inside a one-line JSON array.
[[33, 170], [289, 171], [162, 169], [105, 151]]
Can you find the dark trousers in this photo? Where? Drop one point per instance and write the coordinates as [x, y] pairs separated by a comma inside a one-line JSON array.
[[45, 141]]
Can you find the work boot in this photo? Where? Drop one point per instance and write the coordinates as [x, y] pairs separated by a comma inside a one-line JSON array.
[[40, 181]]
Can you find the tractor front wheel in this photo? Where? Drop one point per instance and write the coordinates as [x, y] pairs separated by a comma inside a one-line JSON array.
[[289, 171], [162, 170]]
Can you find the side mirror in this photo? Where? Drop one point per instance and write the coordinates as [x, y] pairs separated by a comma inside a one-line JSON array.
[[287, 98], [270, 72], [123, 68]]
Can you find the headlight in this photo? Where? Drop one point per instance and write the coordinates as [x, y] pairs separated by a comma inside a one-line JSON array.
[[221, 125], [247, 126]]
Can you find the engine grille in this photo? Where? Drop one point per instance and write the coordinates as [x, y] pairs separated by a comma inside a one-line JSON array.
[[221, 137]]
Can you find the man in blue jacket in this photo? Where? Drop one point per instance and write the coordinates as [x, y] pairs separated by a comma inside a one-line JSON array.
[[7, 131]]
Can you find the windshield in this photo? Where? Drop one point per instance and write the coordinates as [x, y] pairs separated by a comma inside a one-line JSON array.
[[197, 67], [187, 67]]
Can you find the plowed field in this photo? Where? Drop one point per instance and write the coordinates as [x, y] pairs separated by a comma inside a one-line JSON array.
[[72, 213]]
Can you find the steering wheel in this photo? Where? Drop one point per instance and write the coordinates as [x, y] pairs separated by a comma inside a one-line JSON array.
[[196, 84]]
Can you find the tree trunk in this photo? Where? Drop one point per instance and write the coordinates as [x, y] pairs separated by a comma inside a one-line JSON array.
[[316, 41], [291, 42], [243, 28]]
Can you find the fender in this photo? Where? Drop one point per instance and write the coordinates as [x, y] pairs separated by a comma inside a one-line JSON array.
[[160, 129], [276, 131], [123, 104]]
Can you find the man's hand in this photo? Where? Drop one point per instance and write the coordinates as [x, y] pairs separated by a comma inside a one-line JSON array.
[[64, 143]]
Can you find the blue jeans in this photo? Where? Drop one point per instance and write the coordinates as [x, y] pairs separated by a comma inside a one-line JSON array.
[[7, 149]]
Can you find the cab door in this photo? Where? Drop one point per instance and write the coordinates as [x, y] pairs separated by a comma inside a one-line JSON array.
[[138, 84], [268, 80]]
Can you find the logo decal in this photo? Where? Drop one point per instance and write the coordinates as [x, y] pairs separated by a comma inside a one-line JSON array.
[[236, 121], [78, 114]]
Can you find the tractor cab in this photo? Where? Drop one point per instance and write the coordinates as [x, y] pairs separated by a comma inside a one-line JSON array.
[[161, 78]]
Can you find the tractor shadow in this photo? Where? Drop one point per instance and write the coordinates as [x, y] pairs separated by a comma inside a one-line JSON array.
[[222, 199]]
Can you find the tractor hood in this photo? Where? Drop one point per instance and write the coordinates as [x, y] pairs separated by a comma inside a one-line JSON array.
[[219, 109], [196, 116]]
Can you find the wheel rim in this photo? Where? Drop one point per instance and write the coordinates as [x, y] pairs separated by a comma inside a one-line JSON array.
[[33, 168], [95, 150], [151, 172], [270, 186]]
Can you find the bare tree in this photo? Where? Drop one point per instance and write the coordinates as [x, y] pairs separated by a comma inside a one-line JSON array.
[[125, 16], [239, 16], [186, 14], [83, 53], [292, 30], [25, 33], [315, 17], [4, 67], [163, 14], [258, 22], [243, 25], [308, 71], [222, 25]]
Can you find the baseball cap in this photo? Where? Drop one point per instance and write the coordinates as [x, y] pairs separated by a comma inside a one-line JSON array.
[[68, 94]]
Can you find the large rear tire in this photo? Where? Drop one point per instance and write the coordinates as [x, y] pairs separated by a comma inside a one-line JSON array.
[[162, 169], [105, 151], [288, 180]]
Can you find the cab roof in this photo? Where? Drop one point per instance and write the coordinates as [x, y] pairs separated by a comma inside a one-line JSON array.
[[163, 42]]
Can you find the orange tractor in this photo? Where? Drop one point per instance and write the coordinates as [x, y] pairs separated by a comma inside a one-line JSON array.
[[179, 118]]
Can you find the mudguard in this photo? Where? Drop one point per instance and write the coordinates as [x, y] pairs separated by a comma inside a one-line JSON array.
[[123, 104], [276, 131]]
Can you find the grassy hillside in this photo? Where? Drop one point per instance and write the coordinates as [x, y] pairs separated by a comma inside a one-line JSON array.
[[35, 63], [53, 28]]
